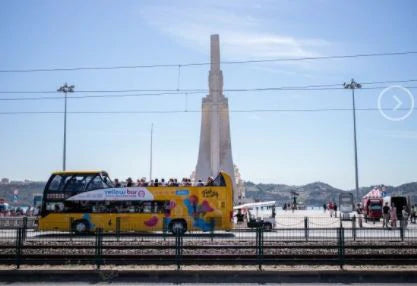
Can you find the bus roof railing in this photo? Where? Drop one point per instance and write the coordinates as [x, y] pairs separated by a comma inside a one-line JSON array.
[[82, 172]]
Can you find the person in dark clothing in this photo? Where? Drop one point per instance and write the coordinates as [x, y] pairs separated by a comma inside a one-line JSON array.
[[358, 209], [210, 181], [239, 216], [129, 182]]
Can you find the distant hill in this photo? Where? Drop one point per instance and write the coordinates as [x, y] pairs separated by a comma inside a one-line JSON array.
[[313, 194]]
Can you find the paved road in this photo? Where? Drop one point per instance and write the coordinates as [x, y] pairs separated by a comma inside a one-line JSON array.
[[286, 221]]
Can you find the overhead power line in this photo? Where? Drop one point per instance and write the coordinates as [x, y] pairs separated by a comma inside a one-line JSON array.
[[181, 93], [205, 90], [198, 111], [95, 96], [389, 81], [103, 91], [120, 67]]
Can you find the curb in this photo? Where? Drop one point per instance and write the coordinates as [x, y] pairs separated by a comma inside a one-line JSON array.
[[185, 276]]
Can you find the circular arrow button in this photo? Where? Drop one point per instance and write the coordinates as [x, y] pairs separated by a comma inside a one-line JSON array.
[[391, 102]]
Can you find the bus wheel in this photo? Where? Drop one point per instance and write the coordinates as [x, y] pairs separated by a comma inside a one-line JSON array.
[[178, 227], [80, 226], [267, 226]]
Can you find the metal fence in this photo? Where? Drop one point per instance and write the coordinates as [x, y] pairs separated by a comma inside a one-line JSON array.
[[282, 221], [339, 246], [17, 222]]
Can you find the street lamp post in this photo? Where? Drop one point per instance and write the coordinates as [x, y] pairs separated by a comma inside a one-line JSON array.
[[65, 89], [150, 155], [354, 85]]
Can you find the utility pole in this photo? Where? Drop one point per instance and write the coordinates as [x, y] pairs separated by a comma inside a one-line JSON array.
[[354, 85], [150, 157], [65, 89]]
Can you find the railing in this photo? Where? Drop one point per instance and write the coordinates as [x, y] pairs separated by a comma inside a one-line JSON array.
[[304, 245], [282, 221], [17, 222]]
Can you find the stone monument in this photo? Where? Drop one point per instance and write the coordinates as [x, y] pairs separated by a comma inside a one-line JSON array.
[[215, 153]]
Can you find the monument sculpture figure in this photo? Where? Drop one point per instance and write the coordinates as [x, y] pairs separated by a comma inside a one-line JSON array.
[[215, 153]]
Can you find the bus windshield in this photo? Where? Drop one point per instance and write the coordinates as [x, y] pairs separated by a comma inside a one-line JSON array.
[[78, 183], [375, 206]]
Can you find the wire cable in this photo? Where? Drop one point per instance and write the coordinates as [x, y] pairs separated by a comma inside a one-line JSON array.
[[199, 111], [302, 87], [89, 68], [94, 96], [182, 93]]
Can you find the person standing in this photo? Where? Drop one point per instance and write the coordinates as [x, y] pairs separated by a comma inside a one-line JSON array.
[[335, 210], [413, 214], [385, 214], [163, 182], [324, 207], [331, 209], [404, 220], [239, 216], [393, 216]]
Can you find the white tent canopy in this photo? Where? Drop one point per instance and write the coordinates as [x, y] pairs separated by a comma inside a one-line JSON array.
[[374, 193]]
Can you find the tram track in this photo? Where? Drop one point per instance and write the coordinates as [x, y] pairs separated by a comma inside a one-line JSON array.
[[380, 259], [222, 246], [259, 247]]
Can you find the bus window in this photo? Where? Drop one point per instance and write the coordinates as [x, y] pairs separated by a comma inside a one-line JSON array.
[[375, 206], [96, 183], [56, 183], [76, 184], [107, 181], [55, 207]]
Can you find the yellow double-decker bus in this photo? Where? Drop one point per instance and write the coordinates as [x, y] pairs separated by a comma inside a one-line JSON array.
[[83, 201]]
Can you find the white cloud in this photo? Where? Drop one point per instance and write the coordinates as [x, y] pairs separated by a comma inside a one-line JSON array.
[[242, 36]]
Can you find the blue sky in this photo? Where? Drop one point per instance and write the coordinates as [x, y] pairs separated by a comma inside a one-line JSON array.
[[285, 147]]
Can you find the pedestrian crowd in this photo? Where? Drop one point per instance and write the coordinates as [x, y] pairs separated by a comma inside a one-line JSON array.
[[18, 211], [289, 206], [390, 216], [172, 182]]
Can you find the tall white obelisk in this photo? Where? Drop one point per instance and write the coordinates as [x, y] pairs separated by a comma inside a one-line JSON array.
[[215, 152]]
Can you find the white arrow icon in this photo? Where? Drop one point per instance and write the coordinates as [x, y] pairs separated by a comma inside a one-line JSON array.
[[399, 102], [409, 109]]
